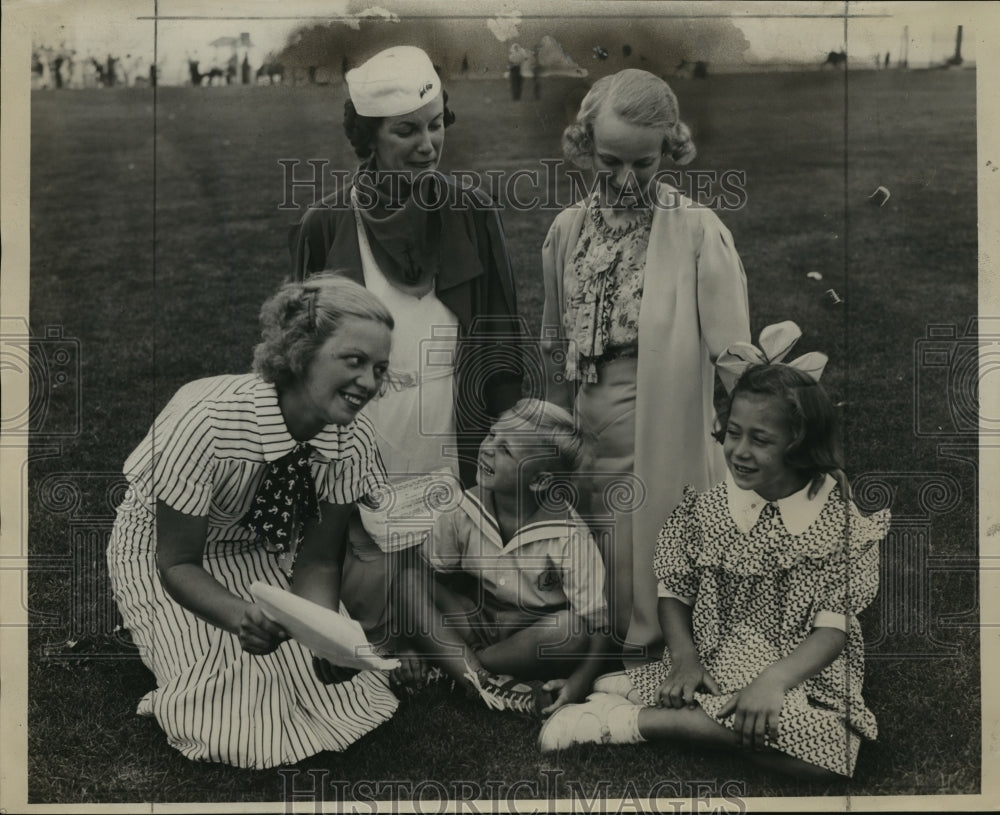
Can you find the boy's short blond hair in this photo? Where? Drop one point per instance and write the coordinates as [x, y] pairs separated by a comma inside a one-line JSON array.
[[554, 425]]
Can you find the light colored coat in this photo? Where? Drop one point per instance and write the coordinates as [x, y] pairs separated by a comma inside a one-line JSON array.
[[694, 305]]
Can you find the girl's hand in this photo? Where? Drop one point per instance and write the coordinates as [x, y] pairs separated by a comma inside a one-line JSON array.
[[258, 633], [756, 710], [412, 670], [677, 690], [330, 674], [566, 692]]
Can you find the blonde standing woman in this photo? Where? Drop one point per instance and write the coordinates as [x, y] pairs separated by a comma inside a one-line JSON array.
[[643, 290]]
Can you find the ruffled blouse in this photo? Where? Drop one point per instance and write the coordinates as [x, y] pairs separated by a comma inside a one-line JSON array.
[[604, 281]]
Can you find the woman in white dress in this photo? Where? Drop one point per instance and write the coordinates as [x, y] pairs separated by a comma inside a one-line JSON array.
[[436, 256]]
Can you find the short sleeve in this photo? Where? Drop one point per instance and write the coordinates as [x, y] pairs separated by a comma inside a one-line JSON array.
[[360, 471], [175, 463], [583, 576], [672, 563], [441, 549], [851, 584], [723, 310], [663, 593], [830, 619]]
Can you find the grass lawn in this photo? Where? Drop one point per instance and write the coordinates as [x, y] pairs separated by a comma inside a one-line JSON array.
[[159, 277]]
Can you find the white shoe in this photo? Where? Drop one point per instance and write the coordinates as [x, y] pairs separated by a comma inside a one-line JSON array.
[[585, 723], [617, 683]]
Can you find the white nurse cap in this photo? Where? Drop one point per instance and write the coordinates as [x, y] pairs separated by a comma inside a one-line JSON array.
[[393, 82]]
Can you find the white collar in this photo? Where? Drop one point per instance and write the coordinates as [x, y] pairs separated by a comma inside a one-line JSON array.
[[477, 505], [797, 511]]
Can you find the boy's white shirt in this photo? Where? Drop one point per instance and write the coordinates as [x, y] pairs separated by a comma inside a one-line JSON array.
[[797, 512], [586, 562]]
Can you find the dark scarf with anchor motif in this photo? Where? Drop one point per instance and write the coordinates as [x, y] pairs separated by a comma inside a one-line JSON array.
[[284, 502]]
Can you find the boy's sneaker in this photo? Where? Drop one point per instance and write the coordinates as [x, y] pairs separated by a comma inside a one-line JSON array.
[[587, 723], [434, 676], [508, 693]]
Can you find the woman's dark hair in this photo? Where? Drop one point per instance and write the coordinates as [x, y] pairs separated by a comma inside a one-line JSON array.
[[816, 447], [361, 130]]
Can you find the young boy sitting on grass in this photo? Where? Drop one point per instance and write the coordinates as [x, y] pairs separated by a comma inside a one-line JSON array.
[[511, 586]]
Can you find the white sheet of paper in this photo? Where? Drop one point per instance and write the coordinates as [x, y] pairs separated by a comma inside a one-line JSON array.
[[325, 632], [408, 509]]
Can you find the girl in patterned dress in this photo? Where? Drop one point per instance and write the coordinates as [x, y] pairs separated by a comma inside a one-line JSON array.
[[761, 579], [239, 477]]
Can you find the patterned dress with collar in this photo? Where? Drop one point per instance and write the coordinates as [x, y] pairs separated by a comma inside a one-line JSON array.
[[760, 576]]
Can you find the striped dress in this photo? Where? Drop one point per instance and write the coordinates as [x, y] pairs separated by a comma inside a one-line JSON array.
[[204, 456]]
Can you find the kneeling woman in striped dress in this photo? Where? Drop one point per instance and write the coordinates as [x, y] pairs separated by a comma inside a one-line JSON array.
[[240, 477]]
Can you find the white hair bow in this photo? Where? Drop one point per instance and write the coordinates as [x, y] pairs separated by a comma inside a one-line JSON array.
[[775, 343]]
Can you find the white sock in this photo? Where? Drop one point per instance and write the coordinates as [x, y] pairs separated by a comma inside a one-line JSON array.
[[623, 724]]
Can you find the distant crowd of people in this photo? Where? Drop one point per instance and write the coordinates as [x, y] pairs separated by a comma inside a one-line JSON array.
[[56, 68]]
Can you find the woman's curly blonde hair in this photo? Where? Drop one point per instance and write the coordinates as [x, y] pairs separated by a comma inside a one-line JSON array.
[[640, 98], [301, 316]]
